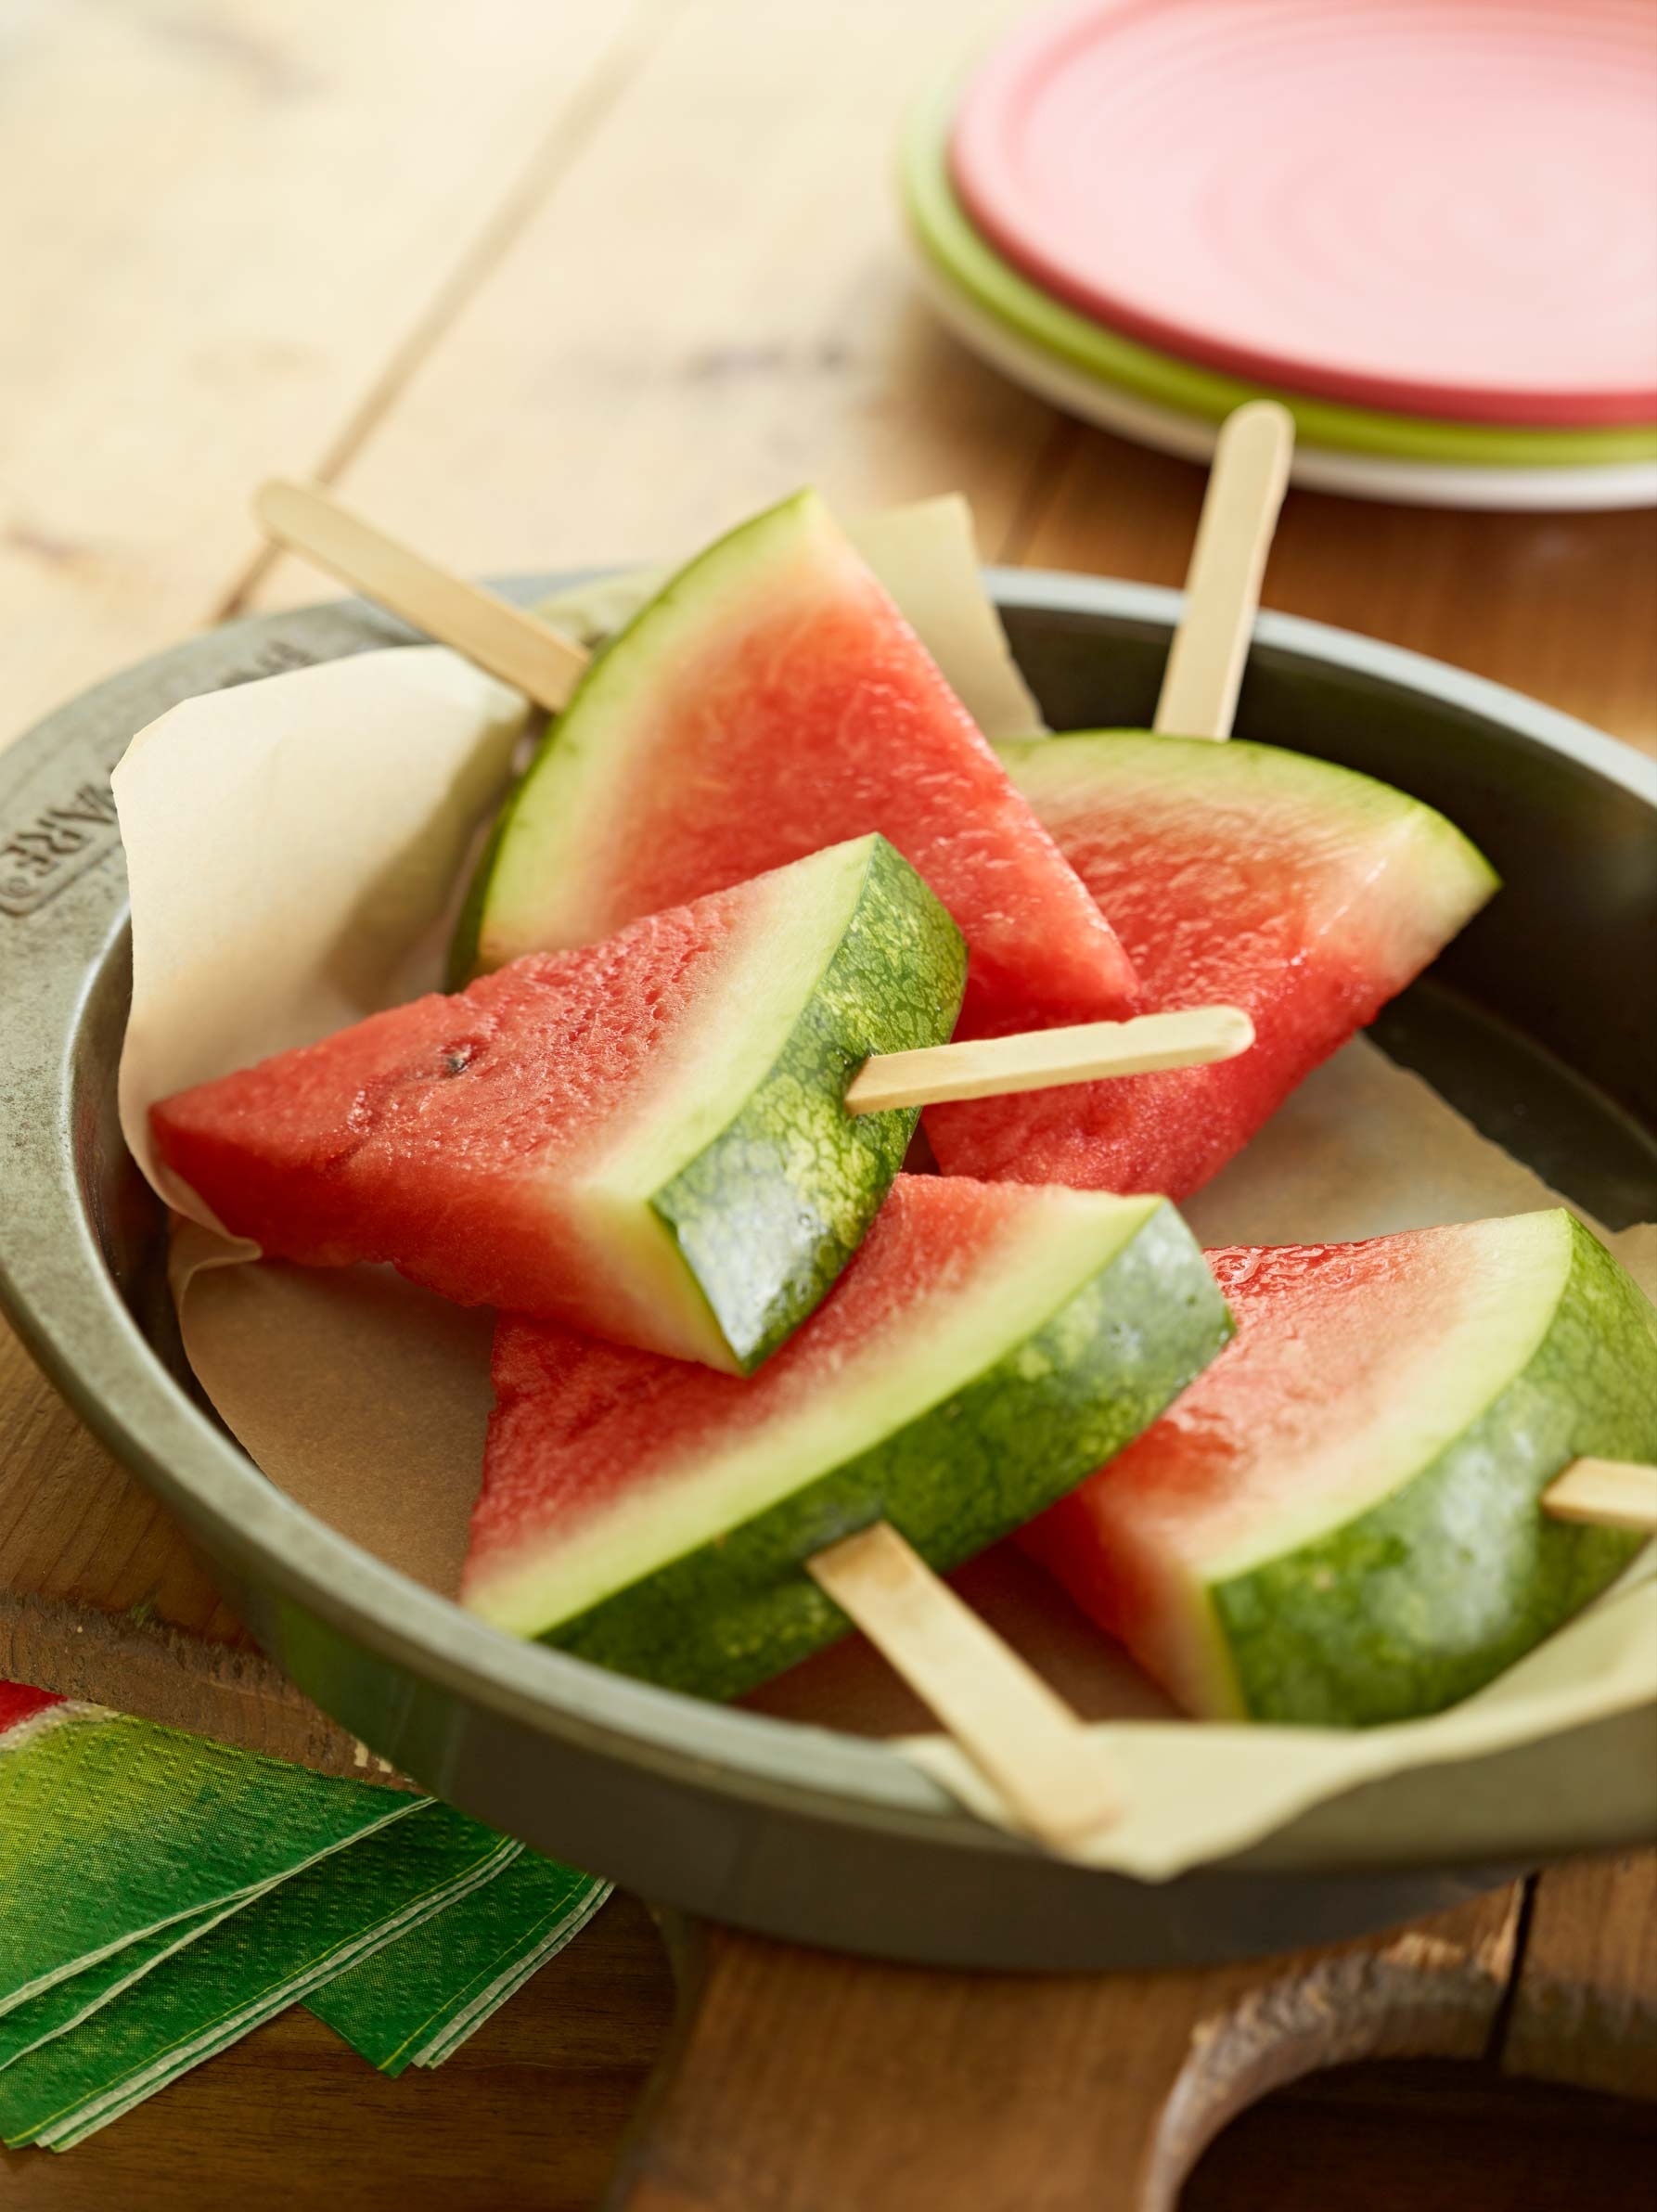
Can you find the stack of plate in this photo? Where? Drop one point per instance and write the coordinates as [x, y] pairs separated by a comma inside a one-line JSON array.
[[1428, 226]]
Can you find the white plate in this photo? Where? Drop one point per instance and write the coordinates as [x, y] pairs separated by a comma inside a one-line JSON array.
[[1355, 476]]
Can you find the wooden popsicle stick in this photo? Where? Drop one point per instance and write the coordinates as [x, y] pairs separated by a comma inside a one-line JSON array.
[[1606, 1493], [1013, 1727], [1042, 1059], [1222, 591], [500, 637]]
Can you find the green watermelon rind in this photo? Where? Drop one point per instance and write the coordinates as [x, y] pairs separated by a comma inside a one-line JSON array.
[[1350, 1630], [1062, 1396], [793, 1177], [551, 818]]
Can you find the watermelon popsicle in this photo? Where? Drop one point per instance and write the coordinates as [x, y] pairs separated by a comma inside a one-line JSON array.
[[984, 1344], [645, 1139], [769, 700], [1304, 894], [1279, 1549]]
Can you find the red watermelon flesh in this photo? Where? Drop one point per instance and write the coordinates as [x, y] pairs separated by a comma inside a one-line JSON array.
[[645, 1138], [1338, 1522], [1237, 874], [418, 1135], [579, 1425], [771, 700], [18, 1703]]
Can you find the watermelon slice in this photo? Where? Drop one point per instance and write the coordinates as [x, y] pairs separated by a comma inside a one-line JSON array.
[[1237, 874], [1338, 1524], [645, 1139], [983, 1347], [769, 700]]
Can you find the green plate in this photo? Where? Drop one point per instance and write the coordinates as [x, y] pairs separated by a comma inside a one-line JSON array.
[[953, 248]]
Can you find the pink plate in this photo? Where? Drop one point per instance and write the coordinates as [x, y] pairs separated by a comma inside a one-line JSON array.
[[1444, 207]]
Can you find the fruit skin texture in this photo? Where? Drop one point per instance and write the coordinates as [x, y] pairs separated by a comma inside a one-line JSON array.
[[956, 1449], [793, 1173], [769, 701], [537, 1141], [1448, 1571], [1234, 874]]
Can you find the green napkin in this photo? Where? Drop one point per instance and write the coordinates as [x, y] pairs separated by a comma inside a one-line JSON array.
[[419, 1999], [161, 1895], [113, 1831], [271, 1952], [65, 2003]]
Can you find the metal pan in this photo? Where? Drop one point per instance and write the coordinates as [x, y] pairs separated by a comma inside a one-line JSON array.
[[1533, 1025]]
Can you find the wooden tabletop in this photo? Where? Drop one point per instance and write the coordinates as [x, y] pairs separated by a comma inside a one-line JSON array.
[[542, 283]]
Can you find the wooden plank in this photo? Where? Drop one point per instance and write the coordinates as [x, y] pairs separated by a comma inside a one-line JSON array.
[[1556, 605], [227, 1691], [261, 211], [1585, 2004], [711, 309]]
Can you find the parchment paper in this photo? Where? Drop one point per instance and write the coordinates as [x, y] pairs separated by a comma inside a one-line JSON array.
[[293, 847]]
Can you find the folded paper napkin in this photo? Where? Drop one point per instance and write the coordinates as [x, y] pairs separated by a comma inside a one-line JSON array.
[[162, 1896]]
